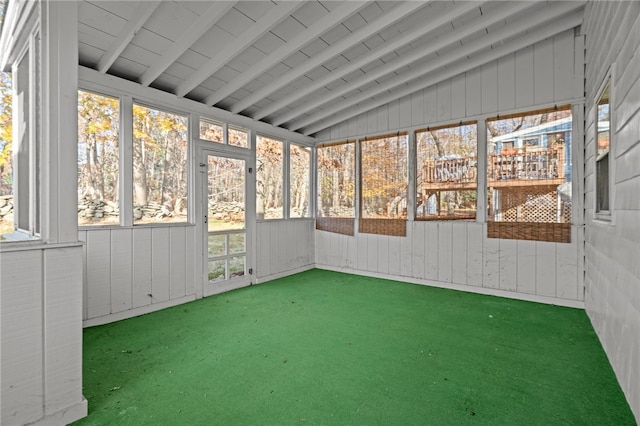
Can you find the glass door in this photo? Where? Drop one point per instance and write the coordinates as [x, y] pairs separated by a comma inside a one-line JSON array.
[[225, 224]]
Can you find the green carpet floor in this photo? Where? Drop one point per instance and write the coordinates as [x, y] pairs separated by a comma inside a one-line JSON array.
[[324, 348]]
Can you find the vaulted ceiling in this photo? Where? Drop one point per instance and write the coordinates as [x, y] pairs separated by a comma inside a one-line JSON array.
[[307, 65]]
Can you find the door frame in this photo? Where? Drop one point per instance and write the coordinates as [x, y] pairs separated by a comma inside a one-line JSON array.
[[232, 152]]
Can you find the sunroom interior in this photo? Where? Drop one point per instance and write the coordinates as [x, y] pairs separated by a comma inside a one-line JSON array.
[[165, 151]]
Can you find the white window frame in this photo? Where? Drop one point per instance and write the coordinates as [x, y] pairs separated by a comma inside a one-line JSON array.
[[604, 216]]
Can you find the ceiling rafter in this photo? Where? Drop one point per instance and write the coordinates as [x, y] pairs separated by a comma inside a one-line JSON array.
[[204, 22], [335, 49], [385, 49], [348, 111], [273, 17], [325, 23], [476, 25], [131, 27], [529, 22]]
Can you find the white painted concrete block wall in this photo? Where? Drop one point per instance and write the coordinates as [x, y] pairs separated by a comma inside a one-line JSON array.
[[612, 269], [458, 254]]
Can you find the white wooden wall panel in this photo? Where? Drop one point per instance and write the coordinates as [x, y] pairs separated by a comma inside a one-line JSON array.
[[405, 113], [507, 83], [394, 255], [288, 246], [417, 108], [417, 249], [121, 279], [63, 334], [473, 98], [459, 254], [490, 88], [458, 93], [546, 268], [508, 265], [431, 251], [382, 262], [475, 264], [160, 262], [430, 107], [526, 267], [443, 106], [394, 115], [524, 77], [563, 66], [22, 337], [142, 267], [491, 264], [445, 251], [543, 72], [178, 266], [98, 265]]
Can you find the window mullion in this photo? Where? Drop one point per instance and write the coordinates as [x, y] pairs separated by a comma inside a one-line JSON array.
[[126, 161], [481, 198]]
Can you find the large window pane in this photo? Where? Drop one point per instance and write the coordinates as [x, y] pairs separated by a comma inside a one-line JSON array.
[[336, 180], [447, 173], [6, 155], [603, 142], [529, 175], [98, 184], [269, 178], [299, 174], [384, 169], [159, 166]]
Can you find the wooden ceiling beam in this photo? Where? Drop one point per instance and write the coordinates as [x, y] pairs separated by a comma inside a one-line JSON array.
[[273, 17], [131, 27], [358, 36], [324, 24], [351, 109], [192, 34]]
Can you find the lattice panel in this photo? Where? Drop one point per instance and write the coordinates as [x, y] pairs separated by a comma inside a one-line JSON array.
[[533, 204]]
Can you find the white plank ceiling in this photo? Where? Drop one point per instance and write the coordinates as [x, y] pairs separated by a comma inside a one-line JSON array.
[[307, 65]]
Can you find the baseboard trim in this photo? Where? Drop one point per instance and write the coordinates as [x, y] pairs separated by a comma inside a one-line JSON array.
[[261, 280], [137, 311], [459, 287], [65, 416]]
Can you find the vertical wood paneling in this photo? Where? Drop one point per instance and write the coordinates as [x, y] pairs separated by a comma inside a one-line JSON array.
[[405, 112], [491, 267], [264, 251], [417, 249], [508, 265], [445, 251], [475, 237], [474, 92], [406, 255], [430, 105], [460, 255], [383, 118], [394, 255], [431, 251], [567, 269], [489, 88], [193, 266], [98, 273], [82, 236], [160, 261], [63, 332], [362, 124], [546, 268], [543, 71], [363, 253], [372, 252], [563, 66], [444, 100], [373, 126], [142, 267], [394, 115], [178, 265], [417, 108], [526, 276], [383, 254], [507, 83], [121, 270], [458, 96], [524, 77], [22, 336]]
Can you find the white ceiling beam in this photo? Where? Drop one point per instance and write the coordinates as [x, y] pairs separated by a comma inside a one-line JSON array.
[[131, 27], [273, 17], [335, 49], [532, 37], [532, 20], [466, 30], [325, 23], [192, 34]]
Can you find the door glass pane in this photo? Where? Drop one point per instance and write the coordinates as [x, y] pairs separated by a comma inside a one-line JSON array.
[[236, 243], [226, 233], [217, 246]]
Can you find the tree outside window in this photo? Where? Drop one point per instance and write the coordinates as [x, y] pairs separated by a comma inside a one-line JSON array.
[[269, 178], [160, 141]]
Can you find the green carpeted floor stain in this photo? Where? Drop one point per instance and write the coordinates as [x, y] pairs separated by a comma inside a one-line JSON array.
[[325, 348]]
